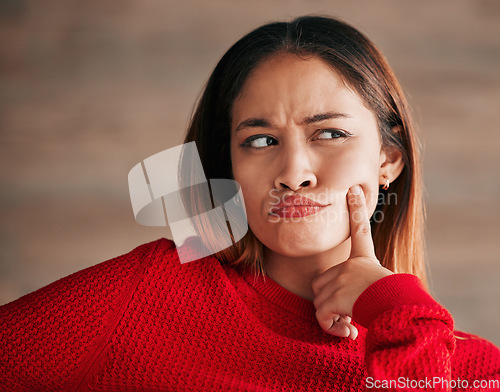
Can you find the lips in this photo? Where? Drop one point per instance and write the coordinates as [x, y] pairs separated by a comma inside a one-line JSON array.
[[296, 206]]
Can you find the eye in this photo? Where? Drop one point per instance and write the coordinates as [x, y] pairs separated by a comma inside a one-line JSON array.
[[259, 141], [331, 134]]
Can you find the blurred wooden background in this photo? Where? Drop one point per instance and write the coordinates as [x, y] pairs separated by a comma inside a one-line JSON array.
[[90, 88]]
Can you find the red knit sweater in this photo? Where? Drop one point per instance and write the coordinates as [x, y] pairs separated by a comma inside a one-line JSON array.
[[145, 322]]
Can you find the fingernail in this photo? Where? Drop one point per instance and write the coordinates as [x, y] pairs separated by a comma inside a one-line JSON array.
[[356, 190]]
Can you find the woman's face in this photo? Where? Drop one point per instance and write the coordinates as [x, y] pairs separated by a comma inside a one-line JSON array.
[[297, 129]]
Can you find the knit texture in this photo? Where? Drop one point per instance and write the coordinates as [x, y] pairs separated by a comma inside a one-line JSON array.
[[145, 322]]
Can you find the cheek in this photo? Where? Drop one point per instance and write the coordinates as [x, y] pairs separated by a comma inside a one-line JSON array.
[[251, 181], [239, 170], [341, 172]]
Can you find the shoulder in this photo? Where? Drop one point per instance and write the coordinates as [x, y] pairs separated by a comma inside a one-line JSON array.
[[94, 284], [97, 290], [101, 276], [154, 260], [50, 333]]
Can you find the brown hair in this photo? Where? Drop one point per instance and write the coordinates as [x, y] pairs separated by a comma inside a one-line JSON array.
[[398, 237]]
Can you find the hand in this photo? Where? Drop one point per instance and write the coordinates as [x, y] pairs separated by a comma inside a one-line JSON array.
[[337, 289]]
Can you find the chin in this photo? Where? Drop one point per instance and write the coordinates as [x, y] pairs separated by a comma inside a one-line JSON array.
[[296, 241], [296, 250]]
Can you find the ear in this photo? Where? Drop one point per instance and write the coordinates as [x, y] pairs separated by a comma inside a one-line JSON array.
[[391, 163]]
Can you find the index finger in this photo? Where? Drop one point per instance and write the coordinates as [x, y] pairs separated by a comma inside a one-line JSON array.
[[361, 234]]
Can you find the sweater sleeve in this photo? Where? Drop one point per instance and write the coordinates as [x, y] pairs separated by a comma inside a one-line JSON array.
[[51, 338], [410, 341]]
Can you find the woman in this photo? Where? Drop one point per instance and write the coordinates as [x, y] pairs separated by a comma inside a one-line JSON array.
[[327, 289]]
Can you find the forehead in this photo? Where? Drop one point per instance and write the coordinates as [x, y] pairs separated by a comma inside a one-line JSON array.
[[293, 85]]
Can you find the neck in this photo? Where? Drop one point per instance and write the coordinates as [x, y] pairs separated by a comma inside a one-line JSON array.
[[296, 273]]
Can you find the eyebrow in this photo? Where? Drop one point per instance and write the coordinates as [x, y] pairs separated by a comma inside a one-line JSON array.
[[254, 122], [324, 116]]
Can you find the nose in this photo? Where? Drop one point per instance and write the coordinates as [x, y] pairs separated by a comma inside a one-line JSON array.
[[295, 169]]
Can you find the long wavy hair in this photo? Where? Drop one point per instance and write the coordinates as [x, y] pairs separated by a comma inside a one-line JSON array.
[[399, 237]]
